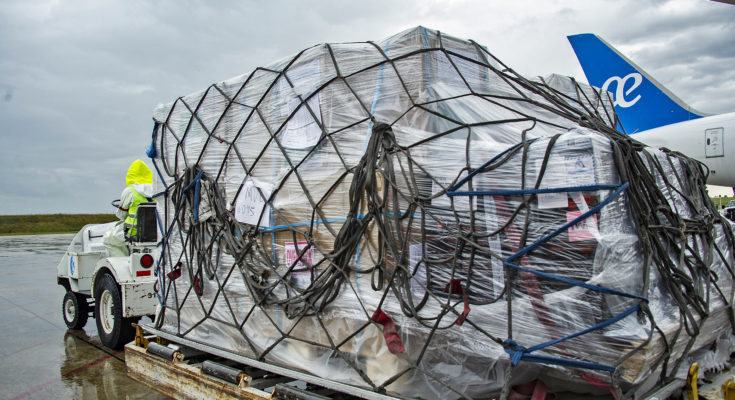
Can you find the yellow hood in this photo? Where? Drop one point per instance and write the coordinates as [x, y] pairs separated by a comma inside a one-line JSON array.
[[138, 173]]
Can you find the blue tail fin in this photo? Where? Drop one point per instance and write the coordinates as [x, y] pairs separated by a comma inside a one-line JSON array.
[[640, 101]]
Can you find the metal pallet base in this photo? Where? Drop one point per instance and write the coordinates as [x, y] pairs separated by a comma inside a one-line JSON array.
[[181, 380], [297, 375]]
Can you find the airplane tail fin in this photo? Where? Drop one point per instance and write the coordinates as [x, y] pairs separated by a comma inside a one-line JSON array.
[[641, 102]]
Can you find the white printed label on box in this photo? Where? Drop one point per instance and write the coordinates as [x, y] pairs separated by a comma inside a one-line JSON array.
[[301, 273], [302, 130], [418, 281], [585, 229], [580, 170], [251, 204], [552, 174], [552, 200]]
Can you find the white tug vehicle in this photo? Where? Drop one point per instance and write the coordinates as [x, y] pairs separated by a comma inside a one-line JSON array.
[[115, 290]]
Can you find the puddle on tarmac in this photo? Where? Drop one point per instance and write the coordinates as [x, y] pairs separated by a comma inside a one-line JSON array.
[[41, 358]]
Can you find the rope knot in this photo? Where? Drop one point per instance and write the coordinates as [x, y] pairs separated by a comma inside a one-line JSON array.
[[515, 350]]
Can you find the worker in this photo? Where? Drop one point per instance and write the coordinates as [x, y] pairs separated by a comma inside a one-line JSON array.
[[138, 189]]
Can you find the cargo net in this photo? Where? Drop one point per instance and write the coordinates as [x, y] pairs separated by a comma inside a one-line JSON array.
[[414, 218]]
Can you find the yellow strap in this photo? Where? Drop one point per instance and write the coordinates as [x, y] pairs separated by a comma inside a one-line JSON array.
[[728, 389], [692, 378]]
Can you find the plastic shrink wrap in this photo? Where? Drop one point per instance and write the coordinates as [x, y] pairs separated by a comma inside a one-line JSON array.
[[413, 217]]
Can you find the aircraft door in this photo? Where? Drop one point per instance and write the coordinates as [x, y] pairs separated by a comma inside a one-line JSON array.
[[713, 142]]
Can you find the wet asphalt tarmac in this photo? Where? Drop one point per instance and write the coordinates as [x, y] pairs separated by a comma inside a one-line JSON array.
[[39, 357]]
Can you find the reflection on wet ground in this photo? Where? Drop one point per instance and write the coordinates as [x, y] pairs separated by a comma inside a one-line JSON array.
[[40, 358]]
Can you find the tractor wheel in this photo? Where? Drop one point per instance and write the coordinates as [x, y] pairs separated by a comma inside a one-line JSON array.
[[75, 310], [114, 330]]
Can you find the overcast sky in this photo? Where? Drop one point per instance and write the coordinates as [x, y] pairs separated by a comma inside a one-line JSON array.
[[79, 79]]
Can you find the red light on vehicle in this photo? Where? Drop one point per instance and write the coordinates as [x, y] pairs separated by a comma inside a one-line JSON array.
[[146, 261], [143, 273]]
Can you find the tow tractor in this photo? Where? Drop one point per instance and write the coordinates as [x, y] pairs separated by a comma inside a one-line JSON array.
[[115, 290]]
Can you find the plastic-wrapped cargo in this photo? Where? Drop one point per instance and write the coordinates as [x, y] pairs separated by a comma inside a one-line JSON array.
[[412, 217]]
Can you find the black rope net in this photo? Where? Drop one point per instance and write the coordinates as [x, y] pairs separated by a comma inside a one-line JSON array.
[[413, 217]]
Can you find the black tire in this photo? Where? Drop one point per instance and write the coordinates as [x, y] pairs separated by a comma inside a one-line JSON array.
[[114, 330], [75, 310]]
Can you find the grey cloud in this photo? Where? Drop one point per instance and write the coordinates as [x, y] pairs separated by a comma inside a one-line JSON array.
[[80, 79]]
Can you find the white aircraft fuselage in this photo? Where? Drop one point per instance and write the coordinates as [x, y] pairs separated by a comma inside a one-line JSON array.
[[704, 139]]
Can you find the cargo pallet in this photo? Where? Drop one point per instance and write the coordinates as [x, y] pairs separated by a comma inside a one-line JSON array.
[[184, 369]]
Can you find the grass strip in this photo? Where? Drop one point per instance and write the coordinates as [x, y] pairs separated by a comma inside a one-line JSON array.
[[49, 223]]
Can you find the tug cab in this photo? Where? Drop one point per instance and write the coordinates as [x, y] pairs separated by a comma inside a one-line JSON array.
[[115, 290]]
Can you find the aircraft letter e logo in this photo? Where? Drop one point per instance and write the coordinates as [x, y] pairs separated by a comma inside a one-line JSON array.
[[620, 91]]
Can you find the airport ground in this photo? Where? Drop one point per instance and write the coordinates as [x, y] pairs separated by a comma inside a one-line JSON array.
[[40, 358]]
